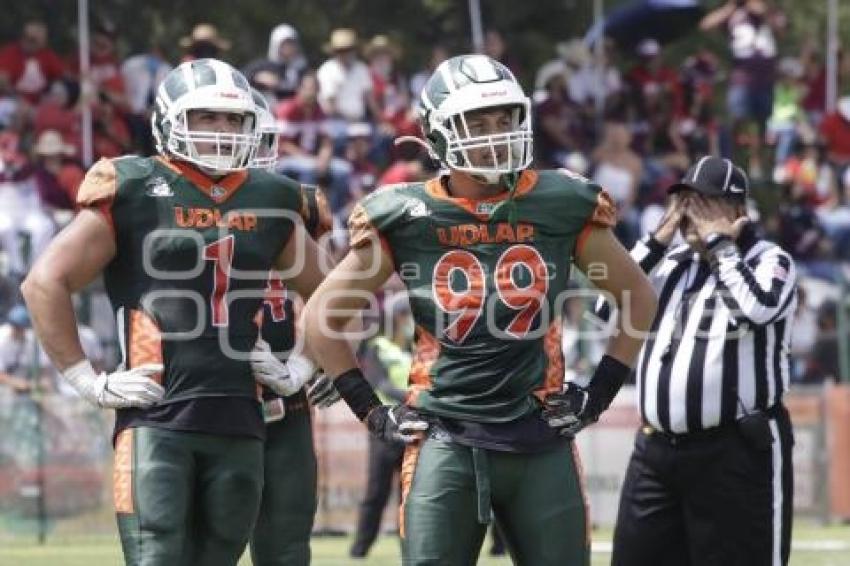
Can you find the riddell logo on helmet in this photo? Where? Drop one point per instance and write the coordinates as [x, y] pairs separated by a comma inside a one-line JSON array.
[[221, 94], [494, 93]]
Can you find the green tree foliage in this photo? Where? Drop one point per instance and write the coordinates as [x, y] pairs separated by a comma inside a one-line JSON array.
[[532, 26]]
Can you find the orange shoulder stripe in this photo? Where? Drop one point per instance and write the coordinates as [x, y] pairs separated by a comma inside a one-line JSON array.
[[605, 213], [99, 185]]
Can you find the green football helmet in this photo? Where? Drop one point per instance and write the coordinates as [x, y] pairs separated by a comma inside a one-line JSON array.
[[469, 83], [205, 84]]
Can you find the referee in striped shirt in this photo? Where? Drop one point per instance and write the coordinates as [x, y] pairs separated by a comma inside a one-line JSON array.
[[710, 479]]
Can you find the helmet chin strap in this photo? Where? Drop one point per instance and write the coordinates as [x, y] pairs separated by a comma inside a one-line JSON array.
[[412, 139]]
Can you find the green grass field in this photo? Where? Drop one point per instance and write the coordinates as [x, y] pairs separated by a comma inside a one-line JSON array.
[[333, 551]]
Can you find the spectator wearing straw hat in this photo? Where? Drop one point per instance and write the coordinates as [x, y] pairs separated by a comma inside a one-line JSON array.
[[345, 84], [204, 42], [55, 174], [398, 117], [382, 56]]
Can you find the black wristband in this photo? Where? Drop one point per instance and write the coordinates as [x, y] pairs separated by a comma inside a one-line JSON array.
[[357, 393], [609, 376], [655, 246]]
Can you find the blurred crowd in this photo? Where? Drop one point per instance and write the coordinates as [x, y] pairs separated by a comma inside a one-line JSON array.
[[628, 117]]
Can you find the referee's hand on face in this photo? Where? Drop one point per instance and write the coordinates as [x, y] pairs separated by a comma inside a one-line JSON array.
[[709, 217], [672, 219]]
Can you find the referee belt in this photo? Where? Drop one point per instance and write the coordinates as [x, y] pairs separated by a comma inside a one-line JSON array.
[[706, 434]]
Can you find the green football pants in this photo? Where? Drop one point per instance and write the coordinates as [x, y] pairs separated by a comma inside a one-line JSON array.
[[186, 498], [536, 498], [282, 534]]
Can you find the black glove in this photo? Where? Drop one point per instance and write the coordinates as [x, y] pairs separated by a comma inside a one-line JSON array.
[[321, 391], [577, 407], [387, 422], [566, 411], [396, 423]]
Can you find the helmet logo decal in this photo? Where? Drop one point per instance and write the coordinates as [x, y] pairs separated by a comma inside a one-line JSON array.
[[479, 69]]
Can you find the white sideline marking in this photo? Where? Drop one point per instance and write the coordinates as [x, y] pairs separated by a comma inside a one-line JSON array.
[[820, 545], [605, 547]]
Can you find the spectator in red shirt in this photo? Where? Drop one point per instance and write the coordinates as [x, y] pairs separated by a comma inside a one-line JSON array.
[[653, 84], [814, 79], [694, 130], [381, 55], [104, 66], [57, 111], [29, 64], [835, 130], [391, 91], [56, 176], [835, 219], [306, 149]]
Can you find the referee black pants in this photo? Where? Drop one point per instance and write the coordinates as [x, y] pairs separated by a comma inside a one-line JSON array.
[[708, 499], [384, 461]]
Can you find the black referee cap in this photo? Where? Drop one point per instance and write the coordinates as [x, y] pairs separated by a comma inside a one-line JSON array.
[[714, 177]]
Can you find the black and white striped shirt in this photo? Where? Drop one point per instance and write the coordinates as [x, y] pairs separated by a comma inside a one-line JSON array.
[[719, 343]]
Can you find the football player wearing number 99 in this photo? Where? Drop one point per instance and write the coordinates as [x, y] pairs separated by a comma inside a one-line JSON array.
[[185, 248], [485, 252]]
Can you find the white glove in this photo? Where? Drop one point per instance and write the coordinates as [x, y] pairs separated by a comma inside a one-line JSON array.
[[284, 378], [119, 389]]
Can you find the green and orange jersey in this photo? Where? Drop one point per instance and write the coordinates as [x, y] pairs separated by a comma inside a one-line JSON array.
[[192, 266], [484, 291]]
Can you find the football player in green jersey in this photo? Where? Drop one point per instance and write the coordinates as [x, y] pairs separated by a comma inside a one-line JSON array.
[[485, 252], [186, 241], [281, 536]]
